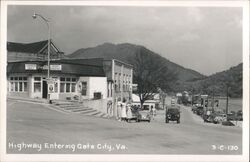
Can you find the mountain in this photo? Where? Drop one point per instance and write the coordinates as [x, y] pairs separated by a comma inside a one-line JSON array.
[[187, 79], [127, 52], [217, 83]]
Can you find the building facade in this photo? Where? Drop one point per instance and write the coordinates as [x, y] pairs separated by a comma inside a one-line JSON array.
[[120, 79], [72, 79]]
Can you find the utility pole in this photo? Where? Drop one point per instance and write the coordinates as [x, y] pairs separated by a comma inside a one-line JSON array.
[[213, 101], [227, 102]]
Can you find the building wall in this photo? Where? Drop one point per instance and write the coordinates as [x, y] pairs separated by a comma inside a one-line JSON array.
[[35, 87], [121, 86], [95, 85], [100, 105]]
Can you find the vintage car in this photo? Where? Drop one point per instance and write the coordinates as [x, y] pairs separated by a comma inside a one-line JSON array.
[[219, 118], [199, 110], [135, 114], [143, 115], [239, 115], [172, 114]]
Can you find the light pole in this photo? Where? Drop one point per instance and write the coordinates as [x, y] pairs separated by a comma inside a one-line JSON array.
[[34, 16]]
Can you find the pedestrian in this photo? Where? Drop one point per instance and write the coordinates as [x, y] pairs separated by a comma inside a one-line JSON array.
[[129, 112], [123, 111], [119, 106], [154, 111]]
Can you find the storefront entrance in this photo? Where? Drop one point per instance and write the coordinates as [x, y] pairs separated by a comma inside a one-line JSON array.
[[45, 89]]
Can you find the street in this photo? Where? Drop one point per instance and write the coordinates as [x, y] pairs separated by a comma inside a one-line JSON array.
[[37, 128]]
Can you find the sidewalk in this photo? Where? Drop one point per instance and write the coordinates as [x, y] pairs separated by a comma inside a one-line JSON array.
[[35, 100]]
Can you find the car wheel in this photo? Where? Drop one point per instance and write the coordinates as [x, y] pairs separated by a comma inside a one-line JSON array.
[[178, 121], [167, 121], [149, 121]]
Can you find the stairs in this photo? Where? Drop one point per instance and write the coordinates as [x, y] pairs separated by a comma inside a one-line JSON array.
[[78, 108]]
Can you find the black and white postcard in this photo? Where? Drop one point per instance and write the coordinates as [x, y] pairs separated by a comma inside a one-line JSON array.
[[125, 81]]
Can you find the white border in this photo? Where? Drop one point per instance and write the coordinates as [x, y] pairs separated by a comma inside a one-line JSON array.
[[96, 157]]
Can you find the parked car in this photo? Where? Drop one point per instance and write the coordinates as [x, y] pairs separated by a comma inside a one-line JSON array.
[[143, 116], [199, 110], [135, 114], [172, 114], [219, 118], [194, 109], [231, 116], [239, 115], [208, 118]]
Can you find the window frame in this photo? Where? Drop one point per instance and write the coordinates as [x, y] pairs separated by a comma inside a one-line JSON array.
[[17, 84]]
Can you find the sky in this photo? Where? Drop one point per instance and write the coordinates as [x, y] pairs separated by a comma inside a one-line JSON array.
[[205, 39]]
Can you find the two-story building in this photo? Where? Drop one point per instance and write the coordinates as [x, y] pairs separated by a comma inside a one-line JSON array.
[[119, 88]]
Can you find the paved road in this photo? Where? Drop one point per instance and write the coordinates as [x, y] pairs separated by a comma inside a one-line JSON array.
[[56, 132]]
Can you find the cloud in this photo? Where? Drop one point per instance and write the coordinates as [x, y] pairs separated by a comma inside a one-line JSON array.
[[195, 14], [189, 37], [181, 34]]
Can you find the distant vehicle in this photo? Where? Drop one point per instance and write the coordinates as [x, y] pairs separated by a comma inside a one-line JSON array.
[[143, 116], [135, 114], [194, 109], [172, 114], [199, 110], [173, 101], [219, 118], [239, 115], [231, 117]]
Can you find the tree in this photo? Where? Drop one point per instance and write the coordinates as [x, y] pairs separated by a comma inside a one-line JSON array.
[[150, 73]]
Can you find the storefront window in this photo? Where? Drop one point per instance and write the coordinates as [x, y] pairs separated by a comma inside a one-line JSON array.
[[37, 78], [37, 84], [18, 84], [62, 87], [25, 86], [73, 87], [12, 86], [37, 87], [68, 85]]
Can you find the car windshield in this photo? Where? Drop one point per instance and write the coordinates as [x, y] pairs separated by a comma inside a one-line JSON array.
[[173, 110]]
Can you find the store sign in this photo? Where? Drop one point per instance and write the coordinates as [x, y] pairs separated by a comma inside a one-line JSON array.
[[56, 67], [30, 67], [53, 67], [51, 88]]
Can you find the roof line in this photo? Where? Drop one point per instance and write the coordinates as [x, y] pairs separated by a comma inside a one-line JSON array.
[[119, 62]]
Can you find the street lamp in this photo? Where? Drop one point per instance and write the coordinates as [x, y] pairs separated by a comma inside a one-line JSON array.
[[34, 16]]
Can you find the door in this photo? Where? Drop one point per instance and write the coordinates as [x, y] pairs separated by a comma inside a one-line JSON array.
[[45, 89]]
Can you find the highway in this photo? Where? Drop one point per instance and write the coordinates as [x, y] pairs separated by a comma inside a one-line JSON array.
[[38, 129]]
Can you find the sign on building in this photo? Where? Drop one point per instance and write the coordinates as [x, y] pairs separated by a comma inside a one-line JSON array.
[[30, 67], [53, 67], [51, 87]]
